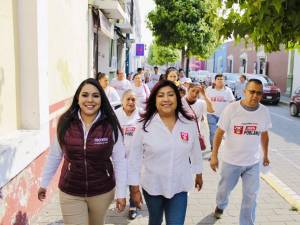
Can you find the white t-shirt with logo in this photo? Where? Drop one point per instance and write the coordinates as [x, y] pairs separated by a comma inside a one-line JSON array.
[[128, 124], [219, 98], [243, 129], [120, 85]]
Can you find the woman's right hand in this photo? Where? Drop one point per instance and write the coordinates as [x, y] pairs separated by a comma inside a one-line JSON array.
[[136, 196], [42, 193]]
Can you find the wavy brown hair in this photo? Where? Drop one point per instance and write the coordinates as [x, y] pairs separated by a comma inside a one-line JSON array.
[[151, 103]]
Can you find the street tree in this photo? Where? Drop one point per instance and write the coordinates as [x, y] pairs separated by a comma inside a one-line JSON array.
[[161, 55], [189, 25], [270, 23]]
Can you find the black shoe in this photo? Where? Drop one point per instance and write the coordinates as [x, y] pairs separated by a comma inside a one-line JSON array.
[[218, 213], [132, 214]]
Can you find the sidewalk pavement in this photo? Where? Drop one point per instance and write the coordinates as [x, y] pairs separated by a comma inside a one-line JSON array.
[[272, 209], [284, 100]]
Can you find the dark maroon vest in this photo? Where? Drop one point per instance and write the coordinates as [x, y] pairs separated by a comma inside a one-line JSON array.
[[87, 169]]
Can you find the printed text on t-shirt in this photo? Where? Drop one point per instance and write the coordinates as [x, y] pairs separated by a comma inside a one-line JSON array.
[[218, 99], [246, 129]]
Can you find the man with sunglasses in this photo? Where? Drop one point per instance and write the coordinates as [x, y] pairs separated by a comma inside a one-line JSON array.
[[245, 123]]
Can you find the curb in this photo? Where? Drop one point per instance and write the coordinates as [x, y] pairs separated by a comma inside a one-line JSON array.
[[283, 190], [284, 103]]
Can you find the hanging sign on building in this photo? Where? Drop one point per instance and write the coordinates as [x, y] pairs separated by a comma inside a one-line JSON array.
[[140, 49]]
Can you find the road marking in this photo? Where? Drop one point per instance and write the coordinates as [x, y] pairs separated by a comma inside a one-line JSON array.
[[282, 189], [283, 117]]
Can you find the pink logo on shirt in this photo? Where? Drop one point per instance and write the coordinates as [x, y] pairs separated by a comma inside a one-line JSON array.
[[238, 129], [218, 99], [184, 136], [128, 131], [249, 129]]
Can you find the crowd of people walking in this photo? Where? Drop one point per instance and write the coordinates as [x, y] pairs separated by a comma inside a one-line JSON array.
[[145, 137]]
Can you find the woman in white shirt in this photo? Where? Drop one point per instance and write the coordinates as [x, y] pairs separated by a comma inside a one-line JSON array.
[[128, 116], [141, 90], [110, 92], [164, 155], [198, 107]]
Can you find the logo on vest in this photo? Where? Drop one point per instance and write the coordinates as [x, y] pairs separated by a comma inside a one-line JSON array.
[[100, 141]]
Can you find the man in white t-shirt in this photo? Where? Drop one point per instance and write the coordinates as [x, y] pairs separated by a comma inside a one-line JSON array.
[[245, 123], [120, 83], [182, 78], [154, 78], [220, 96], [240, 86]]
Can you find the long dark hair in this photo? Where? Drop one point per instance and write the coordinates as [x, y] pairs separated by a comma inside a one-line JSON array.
[[151, 103], [72, 113]]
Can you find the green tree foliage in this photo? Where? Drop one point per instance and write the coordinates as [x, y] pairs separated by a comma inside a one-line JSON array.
[[161, 55], [189, 25], [265, 22]]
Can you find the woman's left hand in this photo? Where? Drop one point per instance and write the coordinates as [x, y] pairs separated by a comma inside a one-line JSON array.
[[198, 182], [120, 204]]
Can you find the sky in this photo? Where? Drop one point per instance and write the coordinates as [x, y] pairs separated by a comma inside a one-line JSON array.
[[145, 7]]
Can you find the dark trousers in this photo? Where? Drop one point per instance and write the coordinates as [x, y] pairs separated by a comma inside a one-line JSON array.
[[174, 208]]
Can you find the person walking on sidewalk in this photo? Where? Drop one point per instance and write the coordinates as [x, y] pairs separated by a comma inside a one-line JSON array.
[[141, 90], [245, 124], [197, 107], [110, 92], [172, 75], [240, 86], [88, 135], [128, 116], [220, 96], [120, 83], [164, 144]]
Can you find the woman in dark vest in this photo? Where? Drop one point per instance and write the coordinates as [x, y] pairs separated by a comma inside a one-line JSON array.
[[88, 135]]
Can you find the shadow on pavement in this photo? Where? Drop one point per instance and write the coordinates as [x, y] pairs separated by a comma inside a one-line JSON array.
[[113, 217], [208, 220]]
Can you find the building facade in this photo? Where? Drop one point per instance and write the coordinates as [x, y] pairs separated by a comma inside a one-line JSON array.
[[47, 48], [240, 58]]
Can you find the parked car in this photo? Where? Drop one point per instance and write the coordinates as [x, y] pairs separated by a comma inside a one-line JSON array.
[[295, 103], [231, 80], [271, 93]]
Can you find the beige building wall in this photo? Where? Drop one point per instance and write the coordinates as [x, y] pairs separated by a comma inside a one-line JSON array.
[[68, 47], [8, 101]]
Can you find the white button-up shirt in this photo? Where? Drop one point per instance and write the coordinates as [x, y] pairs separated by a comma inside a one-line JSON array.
[[159, 158]]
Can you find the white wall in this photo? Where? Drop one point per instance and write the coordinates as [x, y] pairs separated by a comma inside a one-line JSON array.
[[68, 47], [8, 67], [103, 53], [51, 60], [296, 75]]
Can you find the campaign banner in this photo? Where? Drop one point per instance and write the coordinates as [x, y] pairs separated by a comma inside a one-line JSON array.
[[140, 49]]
